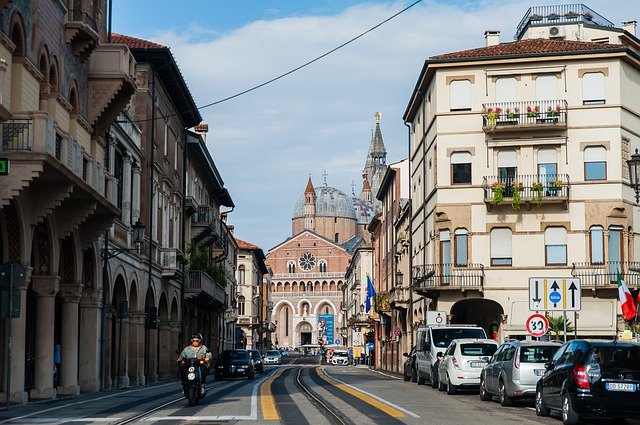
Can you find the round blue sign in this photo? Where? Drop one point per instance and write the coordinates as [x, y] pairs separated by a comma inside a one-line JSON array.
[[555, 297], [337, 342], [370, 346]]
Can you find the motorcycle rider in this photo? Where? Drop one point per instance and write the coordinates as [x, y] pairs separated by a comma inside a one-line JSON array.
[[199, 351]]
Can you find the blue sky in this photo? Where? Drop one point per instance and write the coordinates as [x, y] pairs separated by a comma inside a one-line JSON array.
[[266, 143]]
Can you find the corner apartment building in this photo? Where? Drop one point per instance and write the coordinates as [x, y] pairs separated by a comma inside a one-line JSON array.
[[250, 298], [518, 169]]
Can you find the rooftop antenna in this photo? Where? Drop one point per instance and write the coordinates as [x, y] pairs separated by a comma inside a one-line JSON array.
[[353, 187], [324, 177]]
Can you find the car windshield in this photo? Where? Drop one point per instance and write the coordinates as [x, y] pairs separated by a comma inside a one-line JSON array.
[[537, 354], [340, 354], [273, 353], [443, 336], [235, 355], [478, 349]]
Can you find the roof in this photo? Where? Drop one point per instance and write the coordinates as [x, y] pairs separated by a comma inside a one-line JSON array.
[[329, 202], [528, 47], [246, 245], [165, 66]]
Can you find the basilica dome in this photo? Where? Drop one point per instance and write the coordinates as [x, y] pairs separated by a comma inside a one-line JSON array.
[[330, 202], [365, 211]]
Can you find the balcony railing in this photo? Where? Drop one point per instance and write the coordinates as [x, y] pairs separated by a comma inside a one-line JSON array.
[[84, 17], [606, 274], [305, 294], [293, 276], [526, 115], [400, 296], [448, 276], [561, 14], [169, 259], [201, 283], [530, 189], [16, 135]]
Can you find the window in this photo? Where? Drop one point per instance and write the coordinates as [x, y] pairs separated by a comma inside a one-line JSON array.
[[241, 275], [555, 242], [546, 87], [460, 167], [614, 250], [118, 173], [596, 244], [445, 255], [595, 163], [507, 169], [286, 321], [322, 265], [593, 88], [506, 90], [291, 266], [461, 242], [501, 247], [241, 306], [460, 95]]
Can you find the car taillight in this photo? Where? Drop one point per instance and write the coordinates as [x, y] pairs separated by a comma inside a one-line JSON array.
[[455, 363], [581, 377], [516, 363]]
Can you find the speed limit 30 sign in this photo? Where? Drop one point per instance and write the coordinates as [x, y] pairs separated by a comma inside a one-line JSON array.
[[537, 325]]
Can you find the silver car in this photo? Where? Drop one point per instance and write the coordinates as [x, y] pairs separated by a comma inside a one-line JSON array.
[[272, 357], [514, 370]]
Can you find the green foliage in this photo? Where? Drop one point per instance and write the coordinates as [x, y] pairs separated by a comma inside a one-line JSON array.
[[556, 325], [198, 258]]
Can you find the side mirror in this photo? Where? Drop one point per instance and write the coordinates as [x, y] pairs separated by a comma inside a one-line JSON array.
[[486, 359]]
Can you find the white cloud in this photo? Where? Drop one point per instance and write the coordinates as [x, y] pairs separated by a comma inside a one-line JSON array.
[[266, 143]]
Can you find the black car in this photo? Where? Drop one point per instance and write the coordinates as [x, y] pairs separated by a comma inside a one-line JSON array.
[[234, 364], [591, 378], [409, 373], [257, 360]]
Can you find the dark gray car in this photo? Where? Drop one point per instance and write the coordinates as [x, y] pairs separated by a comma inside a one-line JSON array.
[[514, 370]]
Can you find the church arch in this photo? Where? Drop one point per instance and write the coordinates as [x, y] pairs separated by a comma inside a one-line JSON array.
[[322, 303]]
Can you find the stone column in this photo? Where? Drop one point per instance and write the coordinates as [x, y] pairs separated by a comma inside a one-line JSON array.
[[165, 347], [45, 288], [126, 189], [90, 336], [107, 367], [69, 340], [122, 347], [152, 358], [18, 330], [134, 359], [135, 195]]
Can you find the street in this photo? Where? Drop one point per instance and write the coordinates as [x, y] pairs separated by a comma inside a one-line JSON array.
[[299, 392]]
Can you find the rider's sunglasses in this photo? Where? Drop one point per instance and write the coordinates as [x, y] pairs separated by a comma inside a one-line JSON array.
[[195, 339]]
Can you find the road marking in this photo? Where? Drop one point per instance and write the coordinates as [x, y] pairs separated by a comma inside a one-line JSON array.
[[267, 401], [387, 375], [62, 420], [371, 399]]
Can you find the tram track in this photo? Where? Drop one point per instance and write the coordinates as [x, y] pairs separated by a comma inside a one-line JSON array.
[[334, 415]]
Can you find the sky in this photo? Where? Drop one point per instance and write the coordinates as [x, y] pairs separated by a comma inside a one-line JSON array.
[[267, 142]]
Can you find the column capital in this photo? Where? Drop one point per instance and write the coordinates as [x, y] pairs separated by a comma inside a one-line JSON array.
[[91, 298], [45, 285], [71, 292]]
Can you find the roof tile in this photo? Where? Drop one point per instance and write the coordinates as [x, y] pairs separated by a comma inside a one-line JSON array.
[[245, 245], [135, 43]]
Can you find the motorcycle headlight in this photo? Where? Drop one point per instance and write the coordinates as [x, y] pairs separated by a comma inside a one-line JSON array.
[[192, 369], [191, 376], [232, 368]]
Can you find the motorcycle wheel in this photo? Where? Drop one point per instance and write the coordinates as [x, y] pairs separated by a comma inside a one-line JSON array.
[[192, 395]]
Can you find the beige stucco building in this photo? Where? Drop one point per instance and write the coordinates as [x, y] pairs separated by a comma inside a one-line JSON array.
[[518, 169]]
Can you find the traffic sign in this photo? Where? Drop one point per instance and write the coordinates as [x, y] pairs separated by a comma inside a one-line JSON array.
[[537, 325], [555, 294], [337, 342], [4, 166], [370, 346], [12, 274]]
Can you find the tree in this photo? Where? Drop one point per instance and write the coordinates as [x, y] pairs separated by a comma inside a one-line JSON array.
[[556, 325], [198, 258]]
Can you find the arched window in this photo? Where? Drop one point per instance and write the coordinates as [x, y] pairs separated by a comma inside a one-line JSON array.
[[501, 246], [460, 95], [241, 275], [593, 92], [461, 167], [17, 36], [595, 163], [291, 266], [596, 244], [461, 243], [322, 265], [555, 243], [241, 302]]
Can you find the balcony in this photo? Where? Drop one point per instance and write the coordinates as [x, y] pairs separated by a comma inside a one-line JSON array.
[[400, 297], [248, 321], [170, 262], [190, 205], [201, 288], [533, 115], [605, 275], [526, 190], [436, 277], [561, 14], [81, 32]]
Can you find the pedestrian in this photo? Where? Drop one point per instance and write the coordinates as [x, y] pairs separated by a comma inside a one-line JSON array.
[[57, 360]]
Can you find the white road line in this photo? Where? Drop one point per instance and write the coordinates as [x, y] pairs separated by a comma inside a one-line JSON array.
[[62, 420], [380, 399], [386, 374]]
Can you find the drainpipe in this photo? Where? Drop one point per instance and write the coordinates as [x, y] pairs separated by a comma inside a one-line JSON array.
[[409, 235]]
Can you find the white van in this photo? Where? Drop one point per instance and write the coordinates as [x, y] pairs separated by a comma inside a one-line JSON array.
[[434, 339]]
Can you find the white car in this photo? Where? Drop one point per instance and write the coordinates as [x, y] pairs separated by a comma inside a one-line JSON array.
[[340, 357], [272, 357], [461, 365]]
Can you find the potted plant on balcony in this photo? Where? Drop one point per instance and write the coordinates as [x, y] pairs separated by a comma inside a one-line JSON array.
[[571, 15], [554, 113], [498, 192], [515, 199], [492, 116], [533, 112], [555, 186], [536, 187], [535, 18], [553, 16], [588, 16], [512, 115]]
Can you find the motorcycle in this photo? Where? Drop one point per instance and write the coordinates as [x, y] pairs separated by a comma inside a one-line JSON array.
[[192, 376]]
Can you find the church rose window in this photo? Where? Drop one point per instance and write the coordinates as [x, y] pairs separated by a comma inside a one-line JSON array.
[[307, 261]]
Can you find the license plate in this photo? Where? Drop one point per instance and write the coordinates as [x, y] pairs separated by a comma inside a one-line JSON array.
[[619, 386], [476, 364], [538, 372]]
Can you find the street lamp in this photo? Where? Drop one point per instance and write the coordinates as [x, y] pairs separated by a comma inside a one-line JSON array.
[[634, 173], [138, 236]]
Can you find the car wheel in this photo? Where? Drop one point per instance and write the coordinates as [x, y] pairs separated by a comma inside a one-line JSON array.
[[541, 408], [451, 389], [484, 394], [414, 375], [406, 377], [569, 416], [441, 386], [505, 400], [434, 378]]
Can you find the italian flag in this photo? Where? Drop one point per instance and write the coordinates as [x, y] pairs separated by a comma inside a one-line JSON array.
[[626, 300]]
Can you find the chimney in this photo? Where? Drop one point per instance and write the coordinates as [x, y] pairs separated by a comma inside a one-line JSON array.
[[492, 37], [630, 27], [202, 130]]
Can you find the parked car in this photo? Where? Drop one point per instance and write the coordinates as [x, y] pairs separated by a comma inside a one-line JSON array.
[[462, 363], [234, 364], [340, 357], [257, 360], [409, 368], [591, 378], [514, 370], [272, 357]]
